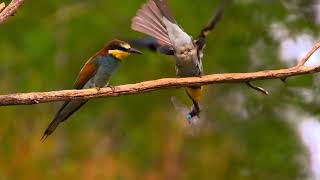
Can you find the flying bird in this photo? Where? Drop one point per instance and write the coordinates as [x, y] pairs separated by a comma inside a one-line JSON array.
[[96, 73], [156, 20]]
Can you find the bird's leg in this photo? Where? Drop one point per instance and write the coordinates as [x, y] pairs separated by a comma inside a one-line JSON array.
[[111, 87], [98, 88]]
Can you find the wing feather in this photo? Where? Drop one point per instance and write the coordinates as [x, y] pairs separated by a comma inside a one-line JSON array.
[[140, 25], [86, 73], [149, 21], [164, 8], [153, 14], [211, 24], [71, 106]]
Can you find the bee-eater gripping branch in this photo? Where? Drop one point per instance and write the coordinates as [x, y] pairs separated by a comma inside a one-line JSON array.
[[156, 20], [96, 73]]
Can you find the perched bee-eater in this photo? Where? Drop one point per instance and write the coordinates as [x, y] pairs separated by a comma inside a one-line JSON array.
[[95, 74], [155, 19]]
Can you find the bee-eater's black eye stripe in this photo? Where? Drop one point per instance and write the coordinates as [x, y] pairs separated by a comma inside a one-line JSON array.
[[118, 47]]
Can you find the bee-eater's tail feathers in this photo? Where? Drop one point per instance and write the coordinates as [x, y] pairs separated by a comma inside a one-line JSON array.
[[149, 21], [50, 129], [43, 138], [67, 109]]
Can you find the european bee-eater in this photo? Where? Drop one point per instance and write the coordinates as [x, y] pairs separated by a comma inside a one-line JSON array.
[[96, 73], [155, 19]]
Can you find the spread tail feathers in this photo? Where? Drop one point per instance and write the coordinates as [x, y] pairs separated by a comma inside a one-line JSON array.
[[149, 21], [67, 109], [163, 6]]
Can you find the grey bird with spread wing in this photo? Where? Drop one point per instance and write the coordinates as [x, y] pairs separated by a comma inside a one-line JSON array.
[[156, 20]]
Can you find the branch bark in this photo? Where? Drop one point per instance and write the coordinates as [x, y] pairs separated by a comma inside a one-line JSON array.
[[10, 10], [2, 6], [148, 86]]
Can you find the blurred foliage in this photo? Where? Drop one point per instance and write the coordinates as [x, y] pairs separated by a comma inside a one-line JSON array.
[[45, 45]]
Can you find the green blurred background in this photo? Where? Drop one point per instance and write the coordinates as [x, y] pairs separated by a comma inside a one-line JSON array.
[[245, 135]]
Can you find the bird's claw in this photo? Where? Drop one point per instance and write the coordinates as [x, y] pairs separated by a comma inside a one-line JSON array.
[[98, 89], [111, 87]]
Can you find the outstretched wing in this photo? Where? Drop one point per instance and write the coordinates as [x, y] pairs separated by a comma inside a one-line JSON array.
[[211, 24], [149, 43], [152, 44]]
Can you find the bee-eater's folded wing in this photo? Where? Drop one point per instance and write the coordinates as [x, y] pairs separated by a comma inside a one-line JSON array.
[[71, 106], [86, 73]]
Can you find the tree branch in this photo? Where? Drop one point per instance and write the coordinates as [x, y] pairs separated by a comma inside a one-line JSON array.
[[148, 86], [2, 6], [10, 10], [257, 88]]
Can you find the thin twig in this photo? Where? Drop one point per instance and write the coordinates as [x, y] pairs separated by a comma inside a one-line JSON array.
[[309, 54], [301, 63], [257, 88], [10, 10]]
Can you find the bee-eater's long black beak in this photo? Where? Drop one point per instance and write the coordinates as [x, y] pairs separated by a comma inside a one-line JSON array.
[[132, 50]]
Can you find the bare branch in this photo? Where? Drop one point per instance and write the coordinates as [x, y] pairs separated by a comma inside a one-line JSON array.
[[10, 10], [257, 88], [2, 6], [309, 54], [148, 86]]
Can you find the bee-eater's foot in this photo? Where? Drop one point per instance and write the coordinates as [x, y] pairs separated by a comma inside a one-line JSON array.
[[98, 89], [111, 87]]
